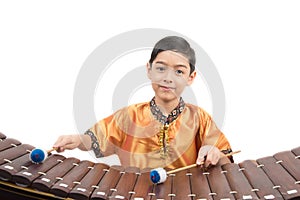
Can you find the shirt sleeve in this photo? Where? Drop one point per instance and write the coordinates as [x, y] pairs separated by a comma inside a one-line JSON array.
[[210, 134], [106, 135]]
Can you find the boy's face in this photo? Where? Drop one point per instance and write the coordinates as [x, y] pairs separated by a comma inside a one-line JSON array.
[[169, 74]]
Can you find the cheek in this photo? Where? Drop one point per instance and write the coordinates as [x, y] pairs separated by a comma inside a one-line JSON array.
[[156, 78], [154, 85], [180, 85], [181, 82]]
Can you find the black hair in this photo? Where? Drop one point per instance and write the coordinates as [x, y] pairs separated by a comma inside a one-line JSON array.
[[176, 44]]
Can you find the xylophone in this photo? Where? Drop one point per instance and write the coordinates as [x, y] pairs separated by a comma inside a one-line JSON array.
[[159, 175], [58, 177]]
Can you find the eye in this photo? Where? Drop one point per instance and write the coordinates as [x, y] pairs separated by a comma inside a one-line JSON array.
[[179, 72], [160, 68]]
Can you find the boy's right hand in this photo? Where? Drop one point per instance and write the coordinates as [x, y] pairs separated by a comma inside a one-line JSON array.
[[71, 142]]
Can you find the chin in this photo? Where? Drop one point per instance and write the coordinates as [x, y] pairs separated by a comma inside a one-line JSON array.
[[167, 97]]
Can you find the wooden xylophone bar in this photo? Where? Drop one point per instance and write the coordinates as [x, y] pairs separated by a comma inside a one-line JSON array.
[[272, 177]]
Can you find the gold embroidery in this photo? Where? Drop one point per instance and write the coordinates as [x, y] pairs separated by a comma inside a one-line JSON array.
[[163, 141]]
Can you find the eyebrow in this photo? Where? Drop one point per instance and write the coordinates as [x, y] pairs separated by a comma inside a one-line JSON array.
[[179, 65]]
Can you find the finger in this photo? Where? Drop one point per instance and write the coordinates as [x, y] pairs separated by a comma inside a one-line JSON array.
[[213, 157], [214, 161], [70, 146], [208, 160], [200, 160], [63, 146], [59, 149], [62, 143], [59, 142], [202, 155]]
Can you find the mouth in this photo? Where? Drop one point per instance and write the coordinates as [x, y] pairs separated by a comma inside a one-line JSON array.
[[166, 88]]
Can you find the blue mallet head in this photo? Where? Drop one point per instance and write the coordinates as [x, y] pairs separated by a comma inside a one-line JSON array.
[[38, 155], [158, 175]]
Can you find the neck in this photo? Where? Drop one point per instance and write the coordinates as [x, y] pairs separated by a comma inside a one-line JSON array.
[[166, 107]]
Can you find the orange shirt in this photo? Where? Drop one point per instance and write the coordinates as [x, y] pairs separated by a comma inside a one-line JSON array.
[[134, 134]]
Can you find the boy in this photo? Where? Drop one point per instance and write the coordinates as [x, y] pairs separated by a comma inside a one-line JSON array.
[[165, 132]]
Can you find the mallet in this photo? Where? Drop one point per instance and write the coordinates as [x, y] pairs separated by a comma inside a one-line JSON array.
[[38, 155], [159, 175]]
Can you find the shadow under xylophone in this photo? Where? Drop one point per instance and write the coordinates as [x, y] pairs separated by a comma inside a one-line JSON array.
[[273, 177]]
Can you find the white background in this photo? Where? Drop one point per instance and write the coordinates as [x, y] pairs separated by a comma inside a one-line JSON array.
[[255, 46]]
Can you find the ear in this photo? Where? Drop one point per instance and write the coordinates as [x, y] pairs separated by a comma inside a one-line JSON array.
[[191, 78], [148, 68]]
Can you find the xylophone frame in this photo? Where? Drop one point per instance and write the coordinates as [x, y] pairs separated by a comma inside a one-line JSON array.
[[272, 177]]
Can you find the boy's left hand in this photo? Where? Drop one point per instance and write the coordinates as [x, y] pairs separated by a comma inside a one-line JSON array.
[[210, 154]]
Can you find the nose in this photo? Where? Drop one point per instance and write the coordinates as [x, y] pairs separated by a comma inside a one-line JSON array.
[[168, 77]]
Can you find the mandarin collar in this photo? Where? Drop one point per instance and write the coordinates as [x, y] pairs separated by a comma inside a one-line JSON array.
[[158, 115]]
